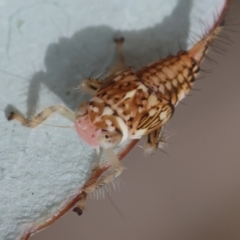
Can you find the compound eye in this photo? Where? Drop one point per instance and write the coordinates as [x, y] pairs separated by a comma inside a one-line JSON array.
[[109, 139]]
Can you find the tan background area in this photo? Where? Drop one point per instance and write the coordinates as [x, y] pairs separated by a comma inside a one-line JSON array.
[[193, 191]]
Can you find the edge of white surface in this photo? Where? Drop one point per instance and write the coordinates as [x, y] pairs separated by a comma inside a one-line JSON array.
[[30, 160]]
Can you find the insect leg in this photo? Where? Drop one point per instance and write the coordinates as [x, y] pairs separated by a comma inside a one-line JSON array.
[[120, 65], [42, 116], [153, 140], [80, 206], [81, 110], [115, 167], [89, 85], [97, 182]]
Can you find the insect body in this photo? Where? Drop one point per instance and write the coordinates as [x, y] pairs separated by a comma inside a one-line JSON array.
[[129, 104]]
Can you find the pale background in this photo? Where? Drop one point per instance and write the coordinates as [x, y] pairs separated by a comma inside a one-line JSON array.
[[193, 192]]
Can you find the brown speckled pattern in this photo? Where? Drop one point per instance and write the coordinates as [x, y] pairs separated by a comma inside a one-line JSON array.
[[171, 78], [144, 99]]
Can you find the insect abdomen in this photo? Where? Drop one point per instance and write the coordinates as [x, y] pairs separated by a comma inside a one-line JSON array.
[[172, 78]]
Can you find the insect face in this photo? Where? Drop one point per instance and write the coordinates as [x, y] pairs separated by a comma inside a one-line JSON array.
[[109, 139], [95, 136], [87, 131]]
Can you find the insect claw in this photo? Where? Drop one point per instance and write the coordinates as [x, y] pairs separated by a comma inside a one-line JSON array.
[[119, 40], [78, 210], [11, 116]]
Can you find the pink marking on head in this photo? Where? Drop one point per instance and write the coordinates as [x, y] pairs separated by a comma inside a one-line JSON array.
[[87, 131]]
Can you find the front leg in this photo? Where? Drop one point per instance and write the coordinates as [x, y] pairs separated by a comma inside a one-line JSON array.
[[97, 180], [42, 116]]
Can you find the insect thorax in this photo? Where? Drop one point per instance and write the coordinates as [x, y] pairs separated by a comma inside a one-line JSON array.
[[125, 104]]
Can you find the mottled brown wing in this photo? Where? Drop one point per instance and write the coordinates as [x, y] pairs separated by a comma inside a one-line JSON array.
[[116, 99], [171, 78], [155, 118], [126, 75]]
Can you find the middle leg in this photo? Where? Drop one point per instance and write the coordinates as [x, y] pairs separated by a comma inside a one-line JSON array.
[[153, 140], [91, 85]]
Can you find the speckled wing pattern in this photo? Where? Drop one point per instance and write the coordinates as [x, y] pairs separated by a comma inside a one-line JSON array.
[[137, 103], [170, 78], [126, 103]]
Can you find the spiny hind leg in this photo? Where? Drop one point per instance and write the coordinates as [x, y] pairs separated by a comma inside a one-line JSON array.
[[114, 166], [99, 179], [42, 116]]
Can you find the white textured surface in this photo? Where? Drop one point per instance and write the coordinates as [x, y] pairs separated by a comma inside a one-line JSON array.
[[46, 47]]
